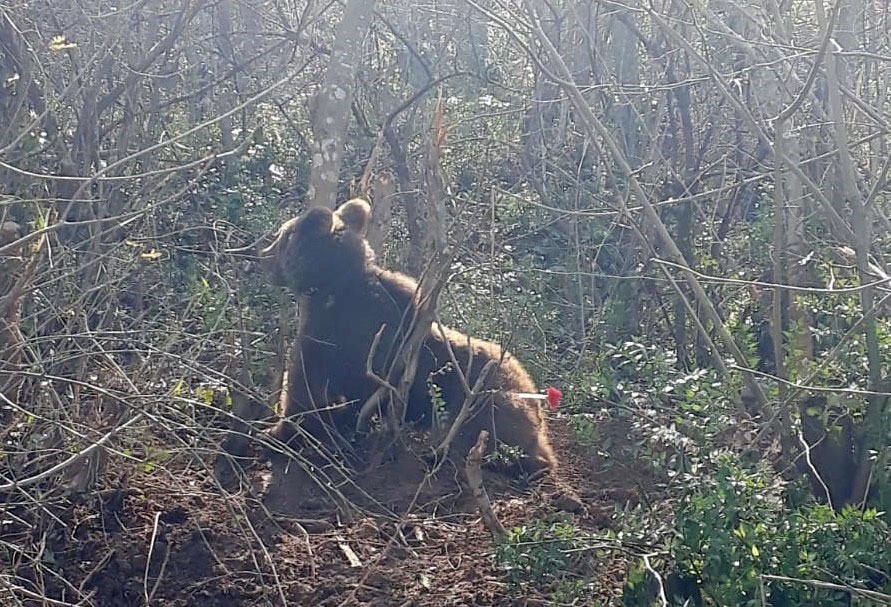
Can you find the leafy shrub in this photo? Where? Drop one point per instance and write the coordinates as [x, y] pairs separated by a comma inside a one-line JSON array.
[[733, 527], [543, 556]]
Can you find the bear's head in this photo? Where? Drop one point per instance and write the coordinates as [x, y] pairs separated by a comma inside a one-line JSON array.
[[321, 250]]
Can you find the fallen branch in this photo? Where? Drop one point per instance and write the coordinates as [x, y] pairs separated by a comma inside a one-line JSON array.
[[475, 479], [348, 552]]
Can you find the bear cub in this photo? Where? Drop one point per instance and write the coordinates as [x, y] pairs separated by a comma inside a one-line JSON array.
[[344, 298]]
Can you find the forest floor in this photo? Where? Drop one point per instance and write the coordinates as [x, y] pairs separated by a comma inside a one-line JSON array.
[[172, 537]]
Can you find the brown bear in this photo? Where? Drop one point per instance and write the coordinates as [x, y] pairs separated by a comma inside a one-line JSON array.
[[344, 298]]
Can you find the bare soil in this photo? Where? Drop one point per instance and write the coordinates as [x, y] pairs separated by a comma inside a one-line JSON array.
[[174, 538]]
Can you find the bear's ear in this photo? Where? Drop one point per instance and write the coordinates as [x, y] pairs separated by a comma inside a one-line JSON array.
[[317, 220], [355, 215]]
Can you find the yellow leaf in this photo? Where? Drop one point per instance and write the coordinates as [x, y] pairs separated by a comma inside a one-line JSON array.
[[755, 551], [60, 43], [178, 388], [151, 255]]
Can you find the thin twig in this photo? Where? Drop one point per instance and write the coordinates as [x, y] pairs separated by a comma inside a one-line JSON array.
[[71, 460], [871, 594], [649, 567]]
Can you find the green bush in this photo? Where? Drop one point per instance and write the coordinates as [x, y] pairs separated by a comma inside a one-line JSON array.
[[544, 557], [733, 527]]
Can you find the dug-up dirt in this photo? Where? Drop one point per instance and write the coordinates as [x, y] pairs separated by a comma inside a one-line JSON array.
[[174, 538]]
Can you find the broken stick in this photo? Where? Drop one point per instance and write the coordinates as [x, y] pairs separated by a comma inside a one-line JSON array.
[[475, 479]]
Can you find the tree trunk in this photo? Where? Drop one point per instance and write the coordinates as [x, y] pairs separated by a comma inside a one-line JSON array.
[[331, 105]]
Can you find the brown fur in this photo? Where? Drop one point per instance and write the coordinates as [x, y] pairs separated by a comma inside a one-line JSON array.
[[344, 298]]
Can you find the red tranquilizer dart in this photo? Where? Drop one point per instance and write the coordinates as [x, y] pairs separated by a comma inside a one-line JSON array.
[[552, 395]]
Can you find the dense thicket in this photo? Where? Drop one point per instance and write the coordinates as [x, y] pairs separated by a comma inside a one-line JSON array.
[[678, 213]]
